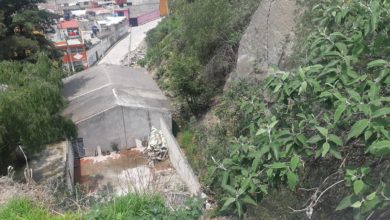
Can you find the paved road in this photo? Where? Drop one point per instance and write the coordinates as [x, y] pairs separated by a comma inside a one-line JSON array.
[[118, 52]]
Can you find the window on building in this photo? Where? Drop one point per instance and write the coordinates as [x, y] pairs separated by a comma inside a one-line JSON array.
[[76, 50]]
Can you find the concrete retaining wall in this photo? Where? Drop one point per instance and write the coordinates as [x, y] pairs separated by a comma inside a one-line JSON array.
[[145, 18], [98, 51], [179, 161]]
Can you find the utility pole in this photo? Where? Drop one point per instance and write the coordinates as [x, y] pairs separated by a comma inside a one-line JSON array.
[[128, 57], [69, 54]]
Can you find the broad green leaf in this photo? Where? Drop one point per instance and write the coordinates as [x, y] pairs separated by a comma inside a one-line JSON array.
[[367, 134], [255, 164], [277, 88], [325, 94], [371, 196], [365, 109], [239, 209], [369, 205], [336, 154], [358, 128], [303, 87], [337, 34], [272, 125], [264, 189], [292, 180], [354, 95], [339, 96], [325, 149], [227, 203], [294, 162], [376, 63], [342, 47], [340, 109], [356, 204], [345, 203], [314, 139], [302, 140], [380, 148], [270, 172], [335, 139], [261, 131], [275, 150], [278, 165], [248, 200], [381, 112], [374, 91], [323, 131], [358, 186]]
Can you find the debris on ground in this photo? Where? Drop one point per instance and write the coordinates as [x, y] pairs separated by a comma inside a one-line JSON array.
[[157, 149], [10, 189]]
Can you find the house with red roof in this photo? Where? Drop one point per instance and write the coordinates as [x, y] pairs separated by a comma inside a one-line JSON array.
[[69, 29]]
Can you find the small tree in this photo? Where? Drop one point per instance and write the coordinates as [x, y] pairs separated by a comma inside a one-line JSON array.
[[187, 83]]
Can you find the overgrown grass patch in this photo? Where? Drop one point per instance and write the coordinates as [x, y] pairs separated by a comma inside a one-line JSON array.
[[145, 206], [22, 208]]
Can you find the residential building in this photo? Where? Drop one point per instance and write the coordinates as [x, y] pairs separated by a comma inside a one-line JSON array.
[[113, 106], [75, 54]]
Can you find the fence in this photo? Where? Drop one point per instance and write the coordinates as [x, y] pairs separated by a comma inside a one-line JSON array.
[[69, 170]]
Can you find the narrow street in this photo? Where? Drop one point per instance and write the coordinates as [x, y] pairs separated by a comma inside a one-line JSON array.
[[119, 51]]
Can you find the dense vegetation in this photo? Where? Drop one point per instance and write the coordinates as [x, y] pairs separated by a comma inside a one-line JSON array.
[[22, 28], [195, 48], [331, 114], [322, 130], [30, 82], [127, 207]]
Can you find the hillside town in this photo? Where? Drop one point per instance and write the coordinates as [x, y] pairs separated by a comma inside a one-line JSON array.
[[194, 109], [86, 29]]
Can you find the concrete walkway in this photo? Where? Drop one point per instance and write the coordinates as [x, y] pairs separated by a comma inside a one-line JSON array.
[[119, 51]]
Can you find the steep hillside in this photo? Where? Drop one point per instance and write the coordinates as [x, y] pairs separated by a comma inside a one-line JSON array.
[[308, 141]]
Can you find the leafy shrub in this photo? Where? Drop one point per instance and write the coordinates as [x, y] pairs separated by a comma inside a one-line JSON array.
[[194, 49], [333, 107]]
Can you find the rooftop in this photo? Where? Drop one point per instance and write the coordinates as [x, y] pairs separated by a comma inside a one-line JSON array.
[[111, 20], [68, 24], [71, 42], [103, 87], [99, 10]]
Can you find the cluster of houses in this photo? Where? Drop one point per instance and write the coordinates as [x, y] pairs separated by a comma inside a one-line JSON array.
[[88, 28]]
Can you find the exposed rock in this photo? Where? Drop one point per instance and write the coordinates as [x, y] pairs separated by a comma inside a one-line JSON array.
[[268, 40]]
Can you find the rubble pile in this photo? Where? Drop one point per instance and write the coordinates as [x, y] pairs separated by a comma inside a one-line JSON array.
[[157, 149], [136, 56]]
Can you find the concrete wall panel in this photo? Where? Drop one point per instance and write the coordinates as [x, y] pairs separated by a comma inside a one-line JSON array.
[[103, 130], [179, 161]]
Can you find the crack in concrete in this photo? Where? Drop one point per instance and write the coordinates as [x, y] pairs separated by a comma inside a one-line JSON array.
[[267, 30]]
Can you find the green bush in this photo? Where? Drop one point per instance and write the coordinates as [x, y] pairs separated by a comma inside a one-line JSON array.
[[195, 48]]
